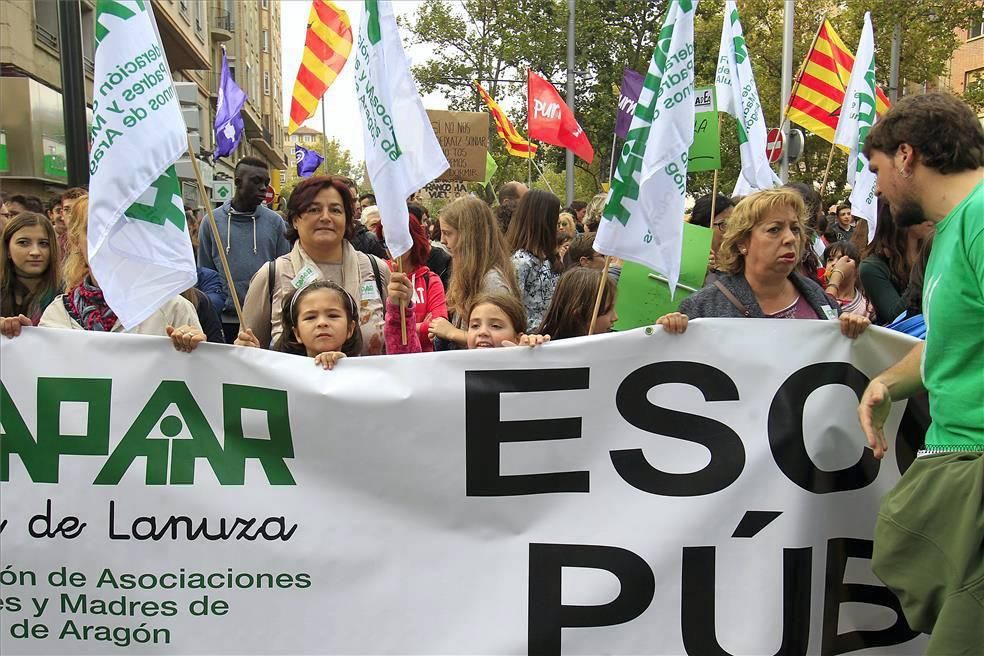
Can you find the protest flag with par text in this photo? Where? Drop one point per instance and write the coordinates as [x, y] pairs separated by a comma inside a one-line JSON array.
[[643, 218], [552, 121], [516, 145], [819, 92], [402, 152], [856, 119], [228, 112], [139, 249], [326, 49], [738, 96]]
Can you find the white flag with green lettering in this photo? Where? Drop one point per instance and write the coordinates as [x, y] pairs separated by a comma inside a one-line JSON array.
[[139, 249], [643, 218], [857, 117], [402, 153], [738, 96]]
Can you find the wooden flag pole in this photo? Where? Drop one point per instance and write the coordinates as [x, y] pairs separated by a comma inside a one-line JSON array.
[[403, 307], [714, 185], [611, 167], [826, 171], [543, 177], [601, 290], [217, 237]]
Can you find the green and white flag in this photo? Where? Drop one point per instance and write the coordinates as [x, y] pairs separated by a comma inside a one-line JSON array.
[[643, 217], [402, 153], [857, 117], [139, 249], [738, 96]]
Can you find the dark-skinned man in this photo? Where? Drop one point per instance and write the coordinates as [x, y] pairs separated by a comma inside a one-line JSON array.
[[252, 235]]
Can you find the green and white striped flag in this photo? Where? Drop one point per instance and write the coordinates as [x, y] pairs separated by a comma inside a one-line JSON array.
[[857, 117], [643, 217], [738, 96], [139, 249]]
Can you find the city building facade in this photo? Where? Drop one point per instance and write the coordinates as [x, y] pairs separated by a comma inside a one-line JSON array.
[[32, 133]]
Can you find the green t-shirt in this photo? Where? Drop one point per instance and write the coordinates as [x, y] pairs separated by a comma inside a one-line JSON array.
[[953, 305]]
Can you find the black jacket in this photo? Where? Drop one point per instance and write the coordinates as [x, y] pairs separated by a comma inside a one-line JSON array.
[[367, 242]]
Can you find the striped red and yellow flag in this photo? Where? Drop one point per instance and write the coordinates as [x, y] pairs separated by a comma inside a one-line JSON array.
[[516, 145], [818, 95], [326, 49]]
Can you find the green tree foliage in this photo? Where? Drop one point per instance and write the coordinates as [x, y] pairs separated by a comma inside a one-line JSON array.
[[496, 42]]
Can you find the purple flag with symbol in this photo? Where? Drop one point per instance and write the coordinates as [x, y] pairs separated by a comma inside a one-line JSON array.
[[228, 118], [627, 98], [307, 161]]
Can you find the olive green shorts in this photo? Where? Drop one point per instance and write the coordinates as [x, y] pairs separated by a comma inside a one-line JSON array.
[[929, 550]]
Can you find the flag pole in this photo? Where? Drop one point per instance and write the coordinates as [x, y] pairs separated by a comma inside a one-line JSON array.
[[403, 307], [826, 171], [799, 74], [529, 167], [543, 177], [601, 290], [714, 185], [611, 167], [216, 236], [324, 139]]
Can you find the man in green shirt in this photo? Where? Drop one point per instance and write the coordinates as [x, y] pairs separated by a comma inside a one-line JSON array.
[[928, 154]]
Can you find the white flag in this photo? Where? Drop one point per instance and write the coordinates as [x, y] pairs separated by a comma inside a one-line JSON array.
[[402, 153], [738, 96], [643, 218], [857, 117], [139, 249]]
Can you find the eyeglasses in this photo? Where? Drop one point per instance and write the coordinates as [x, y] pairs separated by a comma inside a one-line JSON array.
[[720, 225]]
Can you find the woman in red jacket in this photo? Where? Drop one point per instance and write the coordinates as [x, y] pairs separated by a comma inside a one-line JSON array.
[[428, 290]]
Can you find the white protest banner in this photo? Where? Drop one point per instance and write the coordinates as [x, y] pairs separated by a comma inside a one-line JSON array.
[[139, 247], [629, 493]]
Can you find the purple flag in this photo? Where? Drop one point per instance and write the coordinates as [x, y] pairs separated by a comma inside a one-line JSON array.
[[627, 98], [307, 161], [228, 120]]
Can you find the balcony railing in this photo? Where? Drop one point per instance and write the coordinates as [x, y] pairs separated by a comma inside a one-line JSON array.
[[223, 21]]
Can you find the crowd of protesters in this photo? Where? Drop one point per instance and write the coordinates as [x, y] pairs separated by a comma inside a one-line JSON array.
[[319, 283]]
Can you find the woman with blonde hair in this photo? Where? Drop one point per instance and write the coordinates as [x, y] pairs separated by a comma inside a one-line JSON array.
[[83, 306], [480, 264], [758, 257], [593, 212]]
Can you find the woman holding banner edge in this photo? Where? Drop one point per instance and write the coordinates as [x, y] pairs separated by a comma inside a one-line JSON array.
[[759, 255]]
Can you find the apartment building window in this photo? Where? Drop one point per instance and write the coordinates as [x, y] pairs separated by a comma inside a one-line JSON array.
[[973, 77], [265, 4], [266, 83], [266, 40], [46, 22], [199, 18], [976, 30]]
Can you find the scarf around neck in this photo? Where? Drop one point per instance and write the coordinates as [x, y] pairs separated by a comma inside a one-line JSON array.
[[87, 306]]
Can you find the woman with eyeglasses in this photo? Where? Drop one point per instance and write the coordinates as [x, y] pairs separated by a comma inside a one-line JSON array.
[[320, 223]]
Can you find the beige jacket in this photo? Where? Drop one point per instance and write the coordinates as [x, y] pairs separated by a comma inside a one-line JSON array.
[[176, 312], [357, 279]]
